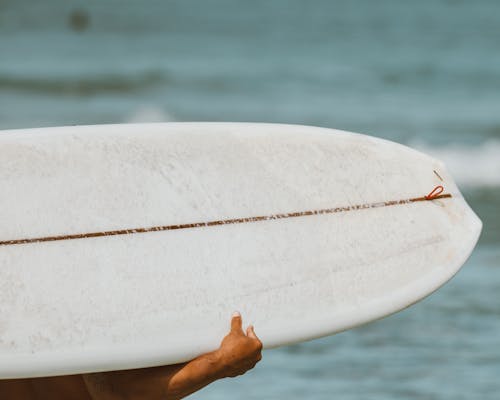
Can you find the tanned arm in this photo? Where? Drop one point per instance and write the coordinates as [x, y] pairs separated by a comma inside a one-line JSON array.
[[237, 353]]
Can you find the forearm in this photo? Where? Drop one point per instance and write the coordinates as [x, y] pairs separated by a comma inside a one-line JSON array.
[[237, 354], [194, 375], [170, 382]]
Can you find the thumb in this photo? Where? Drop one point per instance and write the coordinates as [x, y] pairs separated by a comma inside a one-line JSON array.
[[236, 322]]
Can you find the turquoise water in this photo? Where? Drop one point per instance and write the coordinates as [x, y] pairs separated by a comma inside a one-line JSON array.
[[424, 73]]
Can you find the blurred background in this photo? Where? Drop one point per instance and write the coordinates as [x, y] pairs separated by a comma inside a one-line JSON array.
[[423, 73]]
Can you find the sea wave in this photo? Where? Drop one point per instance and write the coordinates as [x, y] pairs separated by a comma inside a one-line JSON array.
[[472, 166], [82, 85], [149, 113]]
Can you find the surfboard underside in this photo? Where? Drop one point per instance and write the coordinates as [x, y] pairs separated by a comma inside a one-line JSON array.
[[119, 244]]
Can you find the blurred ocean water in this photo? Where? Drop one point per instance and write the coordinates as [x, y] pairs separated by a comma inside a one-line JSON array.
[[425, 74]]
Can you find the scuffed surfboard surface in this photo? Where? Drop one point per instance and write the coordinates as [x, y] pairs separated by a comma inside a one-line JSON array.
[[306, 231]]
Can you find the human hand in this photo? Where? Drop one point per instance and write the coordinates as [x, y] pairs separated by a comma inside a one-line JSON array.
[[239, 352]]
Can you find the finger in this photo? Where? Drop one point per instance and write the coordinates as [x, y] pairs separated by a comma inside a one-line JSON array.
[[236, 322], [251, 332]]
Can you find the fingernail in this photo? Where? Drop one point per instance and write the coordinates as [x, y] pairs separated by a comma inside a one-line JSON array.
[[236, 314]]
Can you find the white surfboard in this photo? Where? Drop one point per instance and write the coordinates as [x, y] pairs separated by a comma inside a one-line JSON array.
[[126, 246]]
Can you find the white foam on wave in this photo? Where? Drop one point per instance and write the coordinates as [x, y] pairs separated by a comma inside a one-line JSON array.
[[471, 165], [149, 113]]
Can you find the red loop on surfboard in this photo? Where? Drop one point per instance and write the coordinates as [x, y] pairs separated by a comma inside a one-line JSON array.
[[435, 192]]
